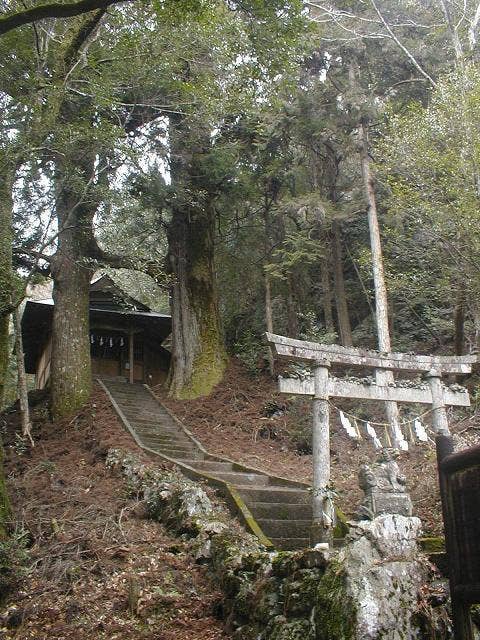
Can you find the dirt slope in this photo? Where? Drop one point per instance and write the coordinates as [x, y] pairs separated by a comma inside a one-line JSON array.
[[236, 421], [91, 550]]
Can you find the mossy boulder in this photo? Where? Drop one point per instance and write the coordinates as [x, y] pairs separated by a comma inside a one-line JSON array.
[[335, 611], [281, 628]]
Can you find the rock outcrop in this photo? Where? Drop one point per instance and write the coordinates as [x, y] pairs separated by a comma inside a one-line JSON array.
[[374, 588]]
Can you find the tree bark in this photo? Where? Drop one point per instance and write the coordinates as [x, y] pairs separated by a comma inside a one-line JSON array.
[[381, 305], [344, 327], [292, 319], [5, 508], [51, 10], [6, 271], [460, 323], [21, 376], [326, 293], [269, 322], [268, 289], [70, 373], [198, 350]]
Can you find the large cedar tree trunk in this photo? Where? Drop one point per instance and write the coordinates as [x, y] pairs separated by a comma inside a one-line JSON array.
[[70, 372], [198, 348], [198, 352]]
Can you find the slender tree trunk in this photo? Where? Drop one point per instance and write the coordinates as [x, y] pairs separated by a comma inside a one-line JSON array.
[[344, 327], [6, 277], [268, 290], [292, 320], [383, 377], [460, 323], [6, 271], [326, 293], [457, 45], [5, 508], [269, 322], [21, 376]]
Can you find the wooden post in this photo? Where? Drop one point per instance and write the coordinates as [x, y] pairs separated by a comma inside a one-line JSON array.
[[461, 619], [130, 354], [320, 532], [439, 413]]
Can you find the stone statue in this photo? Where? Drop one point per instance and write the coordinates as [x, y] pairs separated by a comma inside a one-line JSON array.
[[384, 486]]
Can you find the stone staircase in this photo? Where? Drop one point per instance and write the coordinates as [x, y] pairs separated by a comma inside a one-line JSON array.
[[275, 509]]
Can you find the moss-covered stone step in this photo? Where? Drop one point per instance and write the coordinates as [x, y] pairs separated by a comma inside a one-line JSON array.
[[285, 528], [274, 494], [272, 507], [291, 544], [239, 478], [281, 510], [209, 466]]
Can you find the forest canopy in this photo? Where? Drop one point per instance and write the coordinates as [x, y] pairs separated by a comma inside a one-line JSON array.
[[234, 153]]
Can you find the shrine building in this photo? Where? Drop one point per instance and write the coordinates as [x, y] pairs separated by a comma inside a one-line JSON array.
[[126, 336]]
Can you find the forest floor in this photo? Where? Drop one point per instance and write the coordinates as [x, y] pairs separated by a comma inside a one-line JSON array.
[[89, 545], [95, 566]]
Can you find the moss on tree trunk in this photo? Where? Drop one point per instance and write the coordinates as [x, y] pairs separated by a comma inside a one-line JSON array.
[[198, 350], [70, 372], [199, 356]]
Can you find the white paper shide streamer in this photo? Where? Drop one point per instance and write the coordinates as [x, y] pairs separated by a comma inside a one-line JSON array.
[[420, 431], [347, 425], [373, 434]]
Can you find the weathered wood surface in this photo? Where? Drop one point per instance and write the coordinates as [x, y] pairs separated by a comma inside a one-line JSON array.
[[302, 350], [459, 475], [339, 388]]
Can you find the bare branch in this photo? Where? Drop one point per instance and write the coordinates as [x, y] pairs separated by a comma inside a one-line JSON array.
[[412, 59]]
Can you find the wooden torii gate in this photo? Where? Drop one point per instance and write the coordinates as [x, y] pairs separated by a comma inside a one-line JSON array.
[[322, 386]]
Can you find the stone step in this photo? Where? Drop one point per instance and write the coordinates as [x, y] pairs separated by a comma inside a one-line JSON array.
[[138, 422], [290, 544], [274, 493], [167, 442], [210, 466], [241, 478], [281, 510], [169, 451], [285, 528]]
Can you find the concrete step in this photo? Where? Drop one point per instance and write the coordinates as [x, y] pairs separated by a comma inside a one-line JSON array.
[[166, 444], [240, 478], [210, 466], [285, 528], [290, 544], [169, 451], [142, 423], [274, 494], [280, 510]]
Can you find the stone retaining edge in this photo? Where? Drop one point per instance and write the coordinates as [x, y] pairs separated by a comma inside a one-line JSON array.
[[231, 495]]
